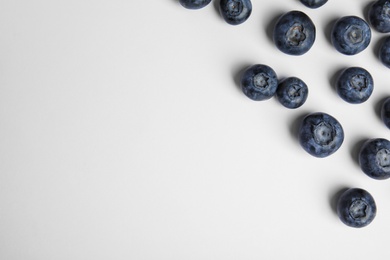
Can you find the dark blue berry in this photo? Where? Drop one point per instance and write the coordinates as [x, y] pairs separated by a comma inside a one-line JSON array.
[[259, 82], [385, 112], [384, 52], [194, 4], [379, 16], [356, 208], [314, 3], [320, 134], [292, 92], [355, 85], [235, 12], [294, 33], [374, 158], [350, 35]]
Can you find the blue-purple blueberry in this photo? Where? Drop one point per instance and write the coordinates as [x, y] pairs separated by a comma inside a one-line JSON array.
[[374, 158], [292, 92], [385, 112], [294, 33], [194, 4], [235, 12], [350, 35], [384, 52], [320, 134], [313, 3], [355, 85], [259, 82], [379, 16], [356, 207]]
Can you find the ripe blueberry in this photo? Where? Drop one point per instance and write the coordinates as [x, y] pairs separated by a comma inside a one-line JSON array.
[[320, 134], [374, 158], [292, 92], [194, 4], [314, 3], [350, 35], [355, 85], [379, 16], [385, 112], [294, 33], [384, 52], [259, 82], [235, 12], [356, 208]]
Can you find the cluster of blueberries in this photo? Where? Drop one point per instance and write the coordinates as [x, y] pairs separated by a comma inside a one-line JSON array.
[[319, 133]]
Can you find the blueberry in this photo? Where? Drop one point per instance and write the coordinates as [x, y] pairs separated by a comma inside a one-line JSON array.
[[355, 85], [374, 158], [356, 207], [379, 16], [350, 35], [320, 134], [294, 33], [235, 12], [314, 3], [292, 92], [259, 82], [385, 112], [194, 4], [384, 52]]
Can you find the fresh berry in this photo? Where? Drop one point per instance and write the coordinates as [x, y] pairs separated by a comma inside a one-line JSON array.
[[379, 16], [292, 92], [355, 85], [384, 52], [320, 134], [350, 35], [259, 82], [356, 208], [235, 12], [294, 33], [314, 3], [374, 158]]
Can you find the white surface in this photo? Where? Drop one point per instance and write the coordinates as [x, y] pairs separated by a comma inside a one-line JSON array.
[[124, 135]]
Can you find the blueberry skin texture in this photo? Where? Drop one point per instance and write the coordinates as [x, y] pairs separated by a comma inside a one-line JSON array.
[[235, 12], [355, 85], [384, 52], [259, 82], [350, 35], [379, 16], [313, 3], [292, 92], [374, 158], [320, 134], [194, 4], [294, 33], [385, 112], [356, 208]]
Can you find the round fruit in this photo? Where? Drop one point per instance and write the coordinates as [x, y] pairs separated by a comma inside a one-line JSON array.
[[259, 82], [356, 208], [294, 33], [320, 134]]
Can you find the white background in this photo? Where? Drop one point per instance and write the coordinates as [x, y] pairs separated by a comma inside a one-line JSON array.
[[124, 135]]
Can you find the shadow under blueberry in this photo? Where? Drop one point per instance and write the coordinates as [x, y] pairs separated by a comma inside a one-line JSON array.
[[355, 149], [328, 29], [334, 198], [377, 46], [296, 124], [237, 73], [378, 107], [216, 4], [271, 25], [366, 10], [334, 77]]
